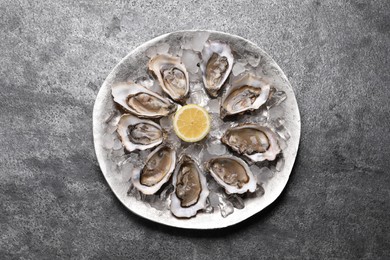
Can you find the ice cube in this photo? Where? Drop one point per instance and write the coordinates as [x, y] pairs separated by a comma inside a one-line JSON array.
[[173, 140], [236, 200], [280, 163], [216, 148], [195, 78], [198, 97], [162, 48], [280, 129], [213, 106], [186, 43], [193, 150], [108, 141], [208, 209], [151, 52], [176, 50], [282, 144], [166, 123], [256, 172], [264, 175], [214, 199], [196, 87], [253, 60], [238, 68], [117, 144], [225, 206], [198, 40], [110, 129], [190, 60], [213, 185]]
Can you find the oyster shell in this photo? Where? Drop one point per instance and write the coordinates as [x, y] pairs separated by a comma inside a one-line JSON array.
[[172, 76], [139, 134], [158, 169], [232, 173], [190, 189], [217, 63], [248, 92], [256, 142], [140, 101]]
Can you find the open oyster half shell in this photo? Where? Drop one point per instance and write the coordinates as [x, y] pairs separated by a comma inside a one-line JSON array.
[[254, 141], [216, 65], [139, 134], [172, 76], [140, 101], [190, 189], [232, 173], [158, 168], [246, 93]]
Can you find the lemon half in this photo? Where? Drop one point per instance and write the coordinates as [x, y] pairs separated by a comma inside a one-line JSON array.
[[191, 123]]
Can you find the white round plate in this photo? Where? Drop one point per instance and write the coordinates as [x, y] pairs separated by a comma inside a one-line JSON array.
[[133, 66]]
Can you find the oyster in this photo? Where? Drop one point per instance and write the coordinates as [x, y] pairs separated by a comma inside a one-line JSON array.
[[172, 76], [246, 93], [190, 189], [139, 134], [140, 101], [256, 142], [232, 173], [217, 63], [157, 170]]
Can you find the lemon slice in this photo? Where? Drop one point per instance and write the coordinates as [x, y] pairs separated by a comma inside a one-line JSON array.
[[191, 123]]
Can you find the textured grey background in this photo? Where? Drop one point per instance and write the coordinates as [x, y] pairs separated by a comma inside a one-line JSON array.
[[54, 201]]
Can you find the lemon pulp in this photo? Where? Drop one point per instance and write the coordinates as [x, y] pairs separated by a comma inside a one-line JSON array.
[[191, 123]]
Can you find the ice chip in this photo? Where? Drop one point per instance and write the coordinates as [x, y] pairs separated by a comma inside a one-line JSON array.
[[253, 60], [280, 164], [151, 52], [280, 129], [214, 199], [199, 40], [198, 97], [225, 206], [213, 106], [256, 172], [108, 142], [117, 144], [166, 122], [216, 148], [238, 68], [162, 48], [265, 174], [196, 87], [237, 201], [190, 60], [208, 209]]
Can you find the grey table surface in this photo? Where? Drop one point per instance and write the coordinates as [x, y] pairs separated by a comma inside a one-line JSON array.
[[54, 201]]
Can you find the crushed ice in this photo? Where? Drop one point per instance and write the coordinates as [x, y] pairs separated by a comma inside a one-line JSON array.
[[189, 51]]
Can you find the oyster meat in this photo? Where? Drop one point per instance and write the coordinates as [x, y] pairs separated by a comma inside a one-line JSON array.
[[139, 134], [217, 63], [157, 170], [232, 173], [248, 92], [172, 76], [256, 142], [140, 101], [190, 189]]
